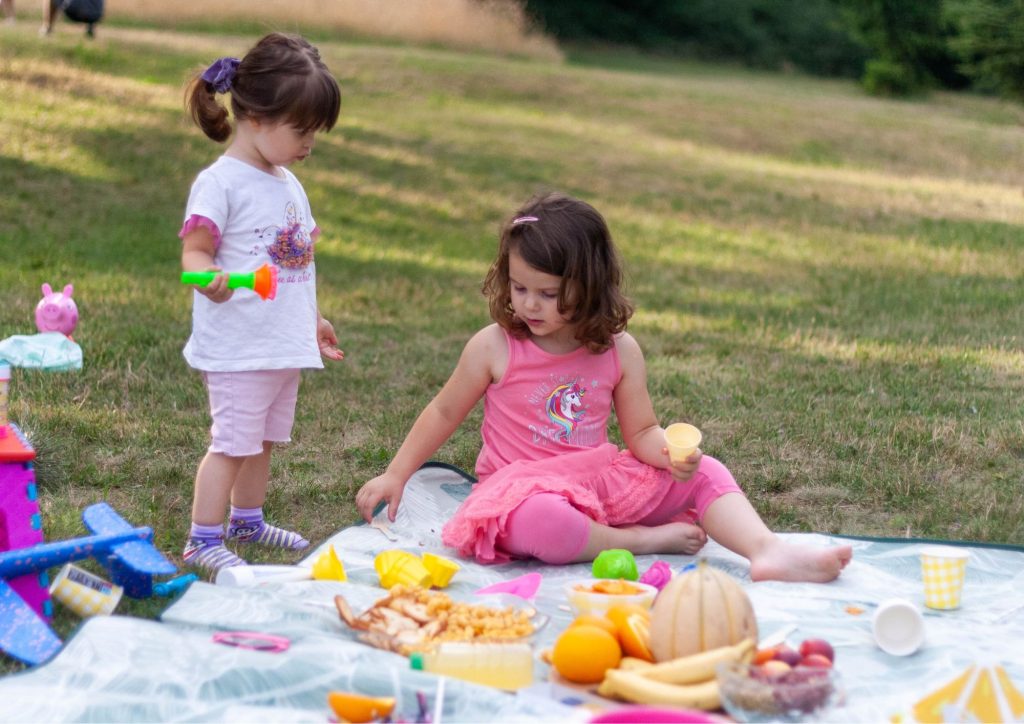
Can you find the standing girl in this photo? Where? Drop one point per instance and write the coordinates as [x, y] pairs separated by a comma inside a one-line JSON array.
[[246, 210], [550, 370]]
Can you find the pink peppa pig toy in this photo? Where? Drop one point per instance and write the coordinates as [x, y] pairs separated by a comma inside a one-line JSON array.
[[57, 311]]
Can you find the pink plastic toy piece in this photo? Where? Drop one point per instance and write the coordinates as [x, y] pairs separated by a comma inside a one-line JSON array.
[[57, 311], [658, 575], [525, 586]]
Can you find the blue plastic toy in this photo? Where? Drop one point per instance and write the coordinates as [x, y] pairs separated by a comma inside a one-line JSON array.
[[126, 552], [174, 585]]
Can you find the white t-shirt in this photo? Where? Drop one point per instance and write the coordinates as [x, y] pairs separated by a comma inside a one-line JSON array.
[[262, 219]]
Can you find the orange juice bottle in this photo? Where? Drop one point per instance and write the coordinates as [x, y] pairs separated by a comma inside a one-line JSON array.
[[503, 666]]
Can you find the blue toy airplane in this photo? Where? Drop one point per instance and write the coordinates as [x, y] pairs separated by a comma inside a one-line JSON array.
[[126, 552]]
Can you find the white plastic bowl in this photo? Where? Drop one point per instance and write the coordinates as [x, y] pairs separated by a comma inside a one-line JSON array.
[[588, 602]]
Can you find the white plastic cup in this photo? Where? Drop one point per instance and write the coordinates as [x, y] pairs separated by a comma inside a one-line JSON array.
[[943, 569], [898, 627], [85, 594], [682, 439], [246, 576]]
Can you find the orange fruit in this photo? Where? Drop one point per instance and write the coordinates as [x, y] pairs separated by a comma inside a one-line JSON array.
[[358, 708], [621, 611], [583, 653], [589, 619], [763, 655], [633, 624]]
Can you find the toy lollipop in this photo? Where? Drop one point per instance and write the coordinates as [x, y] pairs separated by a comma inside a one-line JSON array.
[[263, 281]]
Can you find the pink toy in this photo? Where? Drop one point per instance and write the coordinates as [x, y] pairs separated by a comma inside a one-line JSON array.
[[57, 311], [525, 586]]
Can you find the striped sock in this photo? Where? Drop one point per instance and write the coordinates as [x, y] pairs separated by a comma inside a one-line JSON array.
[[205, 549], [247, 526]]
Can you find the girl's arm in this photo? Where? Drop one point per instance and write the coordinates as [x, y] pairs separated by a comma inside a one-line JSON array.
[[197, 251], [467, 384], [641, 432]]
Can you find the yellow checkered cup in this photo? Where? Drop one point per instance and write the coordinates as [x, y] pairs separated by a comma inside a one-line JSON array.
[[84, 593], [943, 569]]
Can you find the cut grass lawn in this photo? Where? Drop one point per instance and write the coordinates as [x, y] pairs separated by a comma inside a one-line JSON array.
[[827, 284]]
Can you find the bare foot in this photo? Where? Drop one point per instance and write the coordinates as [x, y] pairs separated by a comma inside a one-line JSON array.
[[668, 538], [783, 561]]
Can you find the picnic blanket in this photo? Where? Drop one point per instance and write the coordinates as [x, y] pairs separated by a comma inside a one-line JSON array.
[[125, 669]]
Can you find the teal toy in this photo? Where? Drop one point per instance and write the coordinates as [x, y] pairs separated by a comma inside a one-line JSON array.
[[615, 563]]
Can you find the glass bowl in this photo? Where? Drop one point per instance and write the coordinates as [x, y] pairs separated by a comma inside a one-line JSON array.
[[584, 599], [754, 694]]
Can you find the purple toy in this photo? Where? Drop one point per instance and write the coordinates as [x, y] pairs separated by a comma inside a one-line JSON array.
[[57, 311]]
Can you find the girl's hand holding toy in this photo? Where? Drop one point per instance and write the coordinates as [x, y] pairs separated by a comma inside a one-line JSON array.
[[218, 285]]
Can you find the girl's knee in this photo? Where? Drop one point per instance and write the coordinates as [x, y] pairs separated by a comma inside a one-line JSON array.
[[546, 526], [716, 481]]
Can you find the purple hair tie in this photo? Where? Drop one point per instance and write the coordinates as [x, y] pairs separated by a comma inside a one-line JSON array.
[[524, 220], [220, 73]]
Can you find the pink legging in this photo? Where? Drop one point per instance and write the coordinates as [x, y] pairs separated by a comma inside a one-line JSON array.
[[546, 526]]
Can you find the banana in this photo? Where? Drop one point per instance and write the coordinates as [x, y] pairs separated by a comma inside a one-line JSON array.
[[635, 687], [632, 663], [698, 667]]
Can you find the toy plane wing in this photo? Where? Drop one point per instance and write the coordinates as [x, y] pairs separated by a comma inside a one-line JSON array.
[[101, 518], [23, 634], [138, 554]]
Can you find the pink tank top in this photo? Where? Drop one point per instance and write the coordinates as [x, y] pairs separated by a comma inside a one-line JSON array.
[[546, 404]]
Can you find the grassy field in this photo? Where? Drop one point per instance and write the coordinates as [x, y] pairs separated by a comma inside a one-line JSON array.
[[827, 284]]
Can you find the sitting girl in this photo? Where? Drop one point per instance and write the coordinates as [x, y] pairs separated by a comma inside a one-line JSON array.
[[550, 369]]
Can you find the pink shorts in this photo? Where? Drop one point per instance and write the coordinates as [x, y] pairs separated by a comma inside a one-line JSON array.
[[249, 408]]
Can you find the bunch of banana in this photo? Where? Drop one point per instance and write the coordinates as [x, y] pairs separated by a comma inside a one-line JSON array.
[[687, 682]]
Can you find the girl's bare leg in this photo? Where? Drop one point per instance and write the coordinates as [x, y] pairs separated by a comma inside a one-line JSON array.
[[250, 487], [732, 521], [214, 481]]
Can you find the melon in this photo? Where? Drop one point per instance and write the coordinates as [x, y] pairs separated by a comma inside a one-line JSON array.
[[699, 610]]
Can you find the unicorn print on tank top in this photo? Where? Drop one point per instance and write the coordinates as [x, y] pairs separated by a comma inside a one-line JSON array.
[[564, 409]]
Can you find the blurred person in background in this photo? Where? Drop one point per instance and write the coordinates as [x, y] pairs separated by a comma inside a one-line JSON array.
[[89, 12]]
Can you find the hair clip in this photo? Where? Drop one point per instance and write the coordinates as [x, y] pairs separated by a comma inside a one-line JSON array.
[[220, 73], [252, 640], [524, 220]]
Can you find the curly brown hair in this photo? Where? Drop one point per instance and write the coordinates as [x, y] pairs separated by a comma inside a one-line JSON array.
[[565, 237], [281, 79]]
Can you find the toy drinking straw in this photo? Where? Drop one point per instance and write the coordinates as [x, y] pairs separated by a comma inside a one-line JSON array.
[[263, 281]]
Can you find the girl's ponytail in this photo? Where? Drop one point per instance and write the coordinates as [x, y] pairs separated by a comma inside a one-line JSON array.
[[207, 112], [281, 80]]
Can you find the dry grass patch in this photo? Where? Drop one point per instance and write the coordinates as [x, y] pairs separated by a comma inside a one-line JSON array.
[[499, 26]]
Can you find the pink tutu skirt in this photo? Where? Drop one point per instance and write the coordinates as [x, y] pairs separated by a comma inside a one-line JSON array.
[[610, 487]]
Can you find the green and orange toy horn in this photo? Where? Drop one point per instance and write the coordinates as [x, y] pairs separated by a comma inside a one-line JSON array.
[[263, 281]]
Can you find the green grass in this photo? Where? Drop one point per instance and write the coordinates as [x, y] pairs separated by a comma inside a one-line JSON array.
[[827, 284]]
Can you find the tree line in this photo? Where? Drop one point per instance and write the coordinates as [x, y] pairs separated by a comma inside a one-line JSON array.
[[894, 47]]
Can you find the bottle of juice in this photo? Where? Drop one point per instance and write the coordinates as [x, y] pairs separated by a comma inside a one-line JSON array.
[[5, 379], [503, 666]]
